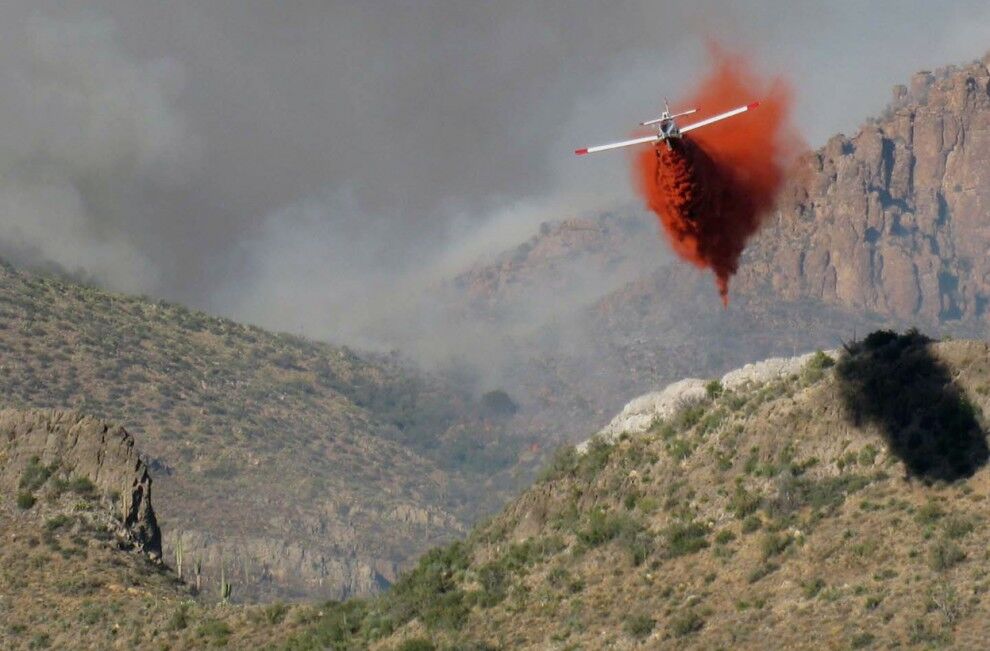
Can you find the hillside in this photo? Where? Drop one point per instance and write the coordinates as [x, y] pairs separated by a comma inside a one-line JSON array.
[[841, 506], [293, 457], [817, 502]]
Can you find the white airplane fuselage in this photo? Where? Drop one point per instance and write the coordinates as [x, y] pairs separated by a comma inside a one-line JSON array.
[[667, 130]]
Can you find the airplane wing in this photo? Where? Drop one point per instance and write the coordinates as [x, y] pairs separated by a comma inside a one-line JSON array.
[[658, 138], [617, 145], [720, 116]]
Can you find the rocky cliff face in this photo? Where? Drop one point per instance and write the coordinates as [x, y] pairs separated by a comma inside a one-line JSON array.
[[895, 218], [66, 445]]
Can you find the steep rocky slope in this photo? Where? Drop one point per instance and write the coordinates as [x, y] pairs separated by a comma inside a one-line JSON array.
[[319, 470], [841, 506], [78, 533], [80, 550], [79, 452], [894, 218]]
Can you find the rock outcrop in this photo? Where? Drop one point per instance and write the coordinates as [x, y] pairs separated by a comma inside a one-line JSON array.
[[639, 414], [894, 219], [80, 446]]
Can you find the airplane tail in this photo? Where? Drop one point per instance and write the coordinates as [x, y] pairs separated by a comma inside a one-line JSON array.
[[668, 117]]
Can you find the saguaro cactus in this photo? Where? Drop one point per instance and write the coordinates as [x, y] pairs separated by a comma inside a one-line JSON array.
[[178, 556], [224, 585]]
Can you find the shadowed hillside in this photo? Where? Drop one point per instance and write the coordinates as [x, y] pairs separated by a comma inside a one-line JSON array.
[[897, 385]]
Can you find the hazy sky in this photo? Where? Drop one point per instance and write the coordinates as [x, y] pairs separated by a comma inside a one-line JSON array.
[[307, 164]]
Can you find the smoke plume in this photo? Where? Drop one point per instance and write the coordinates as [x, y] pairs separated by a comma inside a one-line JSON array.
[[316, 166], [712, 189]]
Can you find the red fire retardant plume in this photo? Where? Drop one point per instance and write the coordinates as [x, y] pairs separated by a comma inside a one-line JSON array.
[[712, 188]]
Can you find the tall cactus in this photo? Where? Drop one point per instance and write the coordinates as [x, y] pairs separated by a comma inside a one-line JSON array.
[[199, 575], [178, 556], [224, 586]]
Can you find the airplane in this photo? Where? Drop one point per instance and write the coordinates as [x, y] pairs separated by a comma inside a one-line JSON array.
[[667, 128]]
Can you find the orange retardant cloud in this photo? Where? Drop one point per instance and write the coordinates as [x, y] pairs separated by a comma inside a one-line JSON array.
[[713, 188]]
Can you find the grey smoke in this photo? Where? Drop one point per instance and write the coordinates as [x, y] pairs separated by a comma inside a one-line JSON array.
[[321, 166]]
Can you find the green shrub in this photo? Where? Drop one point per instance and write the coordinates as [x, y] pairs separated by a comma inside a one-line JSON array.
[[684, 538], [629, 501], [34, 475], [688, 416], [639, 545], [821, 361], [686, 623], [180, 618], [91, 614], [25, 500], [751, 524], [342, 626], [57, 522], [810, 589], [275, 613], [712, 421], [417, 644], [762, 571], [724, 537], [814, 370], [867, 456], [945, 554], [217, 630], [714, 389], [595, 458], [493, 578], [929, 513], [957, 526], [680, 448], [744, 503], [602, 527], [82, 486], [773, 544], [824, 494], [639, 626], [430, 591]]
